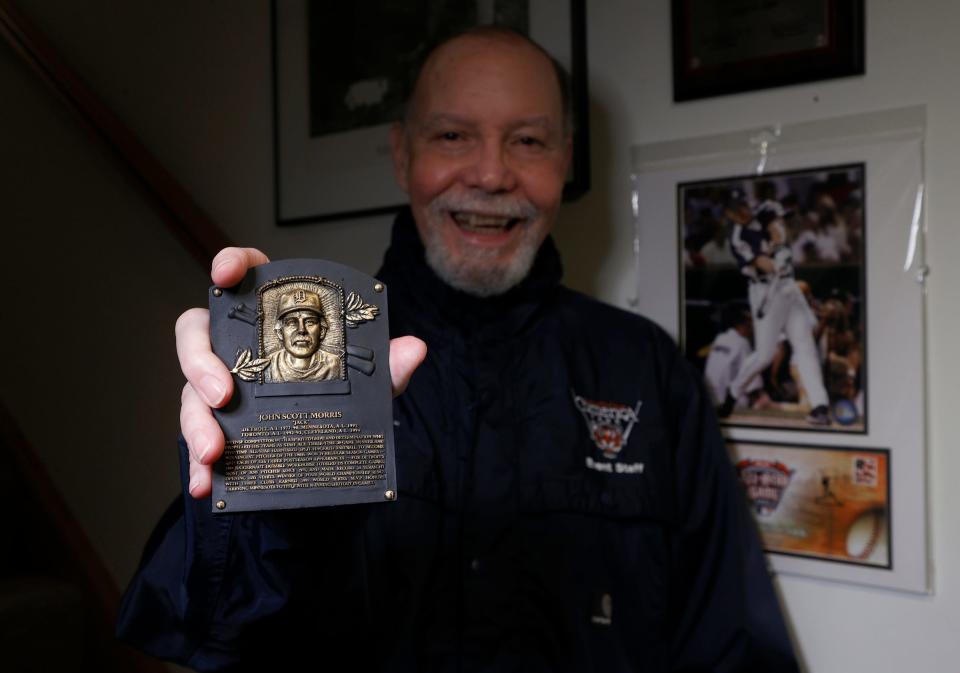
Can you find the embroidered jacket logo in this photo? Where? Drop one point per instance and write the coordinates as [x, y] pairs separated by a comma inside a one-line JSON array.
[[609, 423]]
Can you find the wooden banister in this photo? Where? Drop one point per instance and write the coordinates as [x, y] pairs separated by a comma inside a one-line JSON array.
[[75, 551], [198, 233]]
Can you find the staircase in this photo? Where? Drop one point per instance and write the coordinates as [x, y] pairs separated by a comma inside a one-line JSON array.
[[58, 602]]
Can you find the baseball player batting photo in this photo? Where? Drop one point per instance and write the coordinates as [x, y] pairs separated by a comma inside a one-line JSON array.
[[772, 292]]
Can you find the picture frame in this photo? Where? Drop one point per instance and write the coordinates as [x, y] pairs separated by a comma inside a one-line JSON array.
[[801, 326], [332, 157], [889, 145], [724, 48], [824, 503]]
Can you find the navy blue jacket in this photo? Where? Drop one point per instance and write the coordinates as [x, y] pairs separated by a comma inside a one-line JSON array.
[[515, 544]]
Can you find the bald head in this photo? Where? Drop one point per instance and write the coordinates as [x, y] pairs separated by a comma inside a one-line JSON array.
[[477, 40]]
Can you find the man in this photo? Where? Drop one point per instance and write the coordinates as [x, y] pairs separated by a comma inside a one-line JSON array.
[[508, 548], [300, 328], [758, 241], [728, 351]]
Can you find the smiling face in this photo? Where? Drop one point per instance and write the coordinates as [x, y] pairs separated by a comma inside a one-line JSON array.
[[300, 332], [483, 156]]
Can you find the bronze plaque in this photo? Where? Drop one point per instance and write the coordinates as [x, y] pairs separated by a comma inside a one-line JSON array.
[[310, 422]]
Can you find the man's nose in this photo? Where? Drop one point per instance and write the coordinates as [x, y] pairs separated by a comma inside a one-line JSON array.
[[491, 170]]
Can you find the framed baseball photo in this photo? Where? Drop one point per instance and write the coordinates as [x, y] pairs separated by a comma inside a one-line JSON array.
[[773, 296], [790, 268]]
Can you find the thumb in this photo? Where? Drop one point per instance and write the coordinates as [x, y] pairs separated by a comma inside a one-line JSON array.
[[406, 354]]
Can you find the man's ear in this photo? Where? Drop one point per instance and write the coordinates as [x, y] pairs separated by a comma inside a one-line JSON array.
[[400, 154]]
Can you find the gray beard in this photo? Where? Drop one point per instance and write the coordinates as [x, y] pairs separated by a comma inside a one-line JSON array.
[[479, 274]]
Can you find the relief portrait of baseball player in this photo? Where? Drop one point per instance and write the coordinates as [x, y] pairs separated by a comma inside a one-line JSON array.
[[795, 243], [300, 327]]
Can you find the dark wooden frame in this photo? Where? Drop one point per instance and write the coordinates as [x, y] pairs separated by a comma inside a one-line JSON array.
[[841, 56]]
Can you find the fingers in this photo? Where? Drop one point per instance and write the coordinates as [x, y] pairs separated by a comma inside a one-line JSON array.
[[207, 374], [201, 480], [204, 440], [406, 354], [209, 383], [200, 429], [231, 265]]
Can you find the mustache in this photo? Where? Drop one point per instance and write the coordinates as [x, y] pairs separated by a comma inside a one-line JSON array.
[[481, 202]]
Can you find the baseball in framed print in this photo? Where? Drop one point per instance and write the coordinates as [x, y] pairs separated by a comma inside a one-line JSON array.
[[773, 296]]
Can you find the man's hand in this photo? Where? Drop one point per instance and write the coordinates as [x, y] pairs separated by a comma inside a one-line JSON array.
[[210, 385], [764, 264]]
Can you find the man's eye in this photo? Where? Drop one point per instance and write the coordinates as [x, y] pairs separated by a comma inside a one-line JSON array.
[[450, 136], [530, 141]]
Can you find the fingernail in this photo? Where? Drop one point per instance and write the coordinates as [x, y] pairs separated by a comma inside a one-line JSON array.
[[194, 482], [213, 389], [203, 447]]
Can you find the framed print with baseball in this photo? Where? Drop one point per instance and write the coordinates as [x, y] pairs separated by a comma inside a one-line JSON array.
[[773, 303], [819, 502], [788, 262]]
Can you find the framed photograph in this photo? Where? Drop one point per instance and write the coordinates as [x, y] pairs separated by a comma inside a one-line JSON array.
[[846, 195], [342, 72], [773, 302], [828, 503], [728, 47]]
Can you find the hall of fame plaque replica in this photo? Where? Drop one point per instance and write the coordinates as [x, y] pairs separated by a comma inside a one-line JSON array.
[[310, 422]]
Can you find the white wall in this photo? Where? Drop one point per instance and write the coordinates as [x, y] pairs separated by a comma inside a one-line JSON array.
[[192, 79], [912, 53]]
